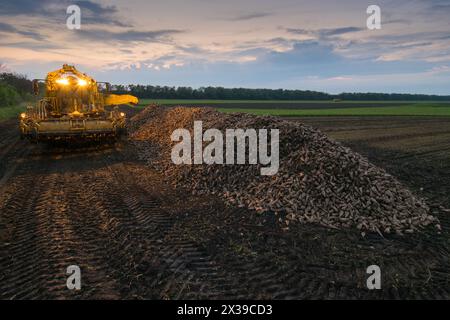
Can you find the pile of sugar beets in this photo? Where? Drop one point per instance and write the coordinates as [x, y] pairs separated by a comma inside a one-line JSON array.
[[319, 180]]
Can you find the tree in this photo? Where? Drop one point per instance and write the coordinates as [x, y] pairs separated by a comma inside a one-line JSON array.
[[166, 92]]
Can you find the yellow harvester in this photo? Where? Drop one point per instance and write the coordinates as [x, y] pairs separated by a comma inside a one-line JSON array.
[[73, 107]]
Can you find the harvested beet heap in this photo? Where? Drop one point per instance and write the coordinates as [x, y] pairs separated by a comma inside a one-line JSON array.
[[319, 180]]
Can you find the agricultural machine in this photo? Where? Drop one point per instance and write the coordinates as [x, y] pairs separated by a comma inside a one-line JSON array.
[[74, 108]]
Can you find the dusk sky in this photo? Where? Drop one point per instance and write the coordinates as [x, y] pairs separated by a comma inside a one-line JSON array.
[[291, 44]]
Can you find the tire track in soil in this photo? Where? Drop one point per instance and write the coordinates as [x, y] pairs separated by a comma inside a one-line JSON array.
[[12, 153], [75, 223], [185, 269], [169, 265], [87, 208], [177, 267], [87, 221], [46, 238]]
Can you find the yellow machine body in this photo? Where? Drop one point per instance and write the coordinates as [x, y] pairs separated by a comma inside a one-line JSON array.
[[74, 106]]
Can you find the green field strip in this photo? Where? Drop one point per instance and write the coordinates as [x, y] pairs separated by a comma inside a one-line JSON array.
[[407, 110]]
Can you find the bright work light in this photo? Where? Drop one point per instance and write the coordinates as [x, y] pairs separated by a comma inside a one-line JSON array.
[[63, 81]]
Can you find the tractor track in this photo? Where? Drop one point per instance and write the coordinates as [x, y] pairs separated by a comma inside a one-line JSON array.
[[134, 237]]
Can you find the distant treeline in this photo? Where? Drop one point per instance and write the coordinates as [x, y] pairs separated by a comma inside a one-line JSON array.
[[14, 88], [166, 92]]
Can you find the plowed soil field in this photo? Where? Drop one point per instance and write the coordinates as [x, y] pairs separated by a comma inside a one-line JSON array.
[[135, 237]]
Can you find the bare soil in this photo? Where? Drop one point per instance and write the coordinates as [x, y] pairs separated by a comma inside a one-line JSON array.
[[136, 237]]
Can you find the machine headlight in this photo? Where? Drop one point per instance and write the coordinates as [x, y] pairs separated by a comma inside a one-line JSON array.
[[62, 81], [23, 115], [122, 114], [82, 82]]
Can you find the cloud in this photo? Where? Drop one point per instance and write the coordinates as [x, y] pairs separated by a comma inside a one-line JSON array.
[[33, 45], [192, 49], [92, 12], [127, 36], [4, 27], [440, 69], [305, 57], [23, 7], [7, 28], [324, 32], [339, 31], [4, 68], [250, 16], [439, 58], [339, 78], [438, 6], [208, 44], [162, 63]]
